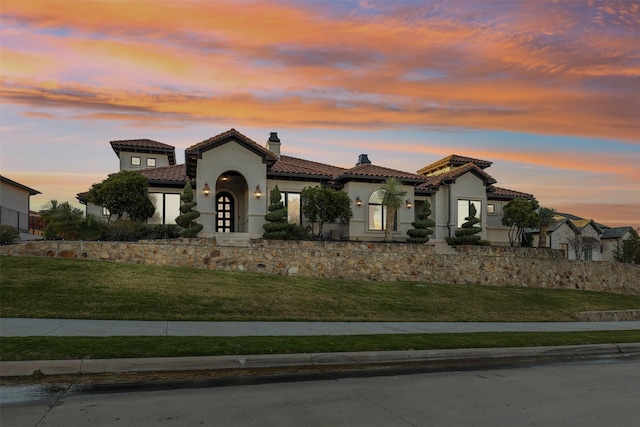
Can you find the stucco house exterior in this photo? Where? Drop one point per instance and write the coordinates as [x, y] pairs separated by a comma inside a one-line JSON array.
[[15, 204], [232, 177]]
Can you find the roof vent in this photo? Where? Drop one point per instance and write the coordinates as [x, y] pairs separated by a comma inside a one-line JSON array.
[[273, 143], [363, 160]]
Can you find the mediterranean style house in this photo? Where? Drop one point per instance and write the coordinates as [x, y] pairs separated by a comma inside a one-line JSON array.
[[232, 177]]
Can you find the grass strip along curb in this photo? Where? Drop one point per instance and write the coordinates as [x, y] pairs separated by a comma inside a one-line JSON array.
[[70, 348]]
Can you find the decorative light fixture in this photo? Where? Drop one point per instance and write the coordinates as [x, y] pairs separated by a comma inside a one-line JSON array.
[[408, 203], [358, 202], [258, 192], [206, 190], [224, 177]]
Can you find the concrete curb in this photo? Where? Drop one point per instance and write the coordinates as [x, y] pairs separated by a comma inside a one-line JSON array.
[[456, 357]]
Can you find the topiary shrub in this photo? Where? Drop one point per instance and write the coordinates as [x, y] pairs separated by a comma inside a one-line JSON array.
[[467, 235], [8, 234], [187, 219], [276, 227], [421, 228]]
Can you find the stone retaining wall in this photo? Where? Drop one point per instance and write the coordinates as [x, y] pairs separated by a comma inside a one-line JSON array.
[[359, 261]]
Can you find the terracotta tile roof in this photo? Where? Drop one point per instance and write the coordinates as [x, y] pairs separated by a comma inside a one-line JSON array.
[[287, 165], [369, 171], [145, 146], [505, 193], [171, 175], [432, 182], [195, 151], [453, 161], [141, 143]]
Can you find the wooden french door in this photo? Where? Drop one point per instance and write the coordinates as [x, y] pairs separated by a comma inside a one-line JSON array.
[[225, 213]]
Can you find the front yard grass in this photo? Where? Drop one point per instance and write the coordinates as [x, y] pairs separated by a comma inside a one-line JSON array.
[[74, 289]]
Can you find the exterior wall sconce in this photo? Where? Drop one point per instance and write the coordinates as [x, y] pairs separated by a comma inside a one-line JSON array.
[[358, 202], [206, 190], [258, 192], [408, 203]]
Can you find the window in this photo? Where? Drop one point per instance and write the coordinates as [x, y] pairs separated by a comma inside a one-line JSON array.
[[378, 213], [588, 253], [105, 211], [564, 247], [292, 202], [167, 208], [464, 207], [151, 162], [136, 161], [491, 209]]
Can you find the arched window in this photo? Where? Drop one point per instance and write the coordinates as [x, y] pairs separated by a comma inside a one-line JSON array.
[[378, 213]]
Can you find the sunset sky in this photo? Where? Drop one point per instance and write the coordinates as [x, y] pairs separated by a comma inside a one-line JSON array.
[[547, 91]]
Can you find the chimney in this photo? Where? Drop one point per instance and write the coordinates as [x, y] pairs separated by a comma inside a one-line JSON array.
[[363, 160], [273, 143]]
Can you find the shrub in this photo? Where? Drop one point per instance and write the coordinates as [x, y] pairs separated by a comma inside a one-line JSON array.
[[8, 234], [467, 234], [276, 227], [421, 228], [124, 230], [189, 214], [160, 231]]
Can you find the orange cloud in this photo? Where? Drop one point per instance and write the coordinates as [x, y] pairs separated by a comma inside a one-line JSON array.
[[290, 65]]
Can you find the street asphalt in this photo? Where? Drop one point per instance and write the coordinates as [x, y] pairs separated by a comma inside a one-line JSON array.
[[12, 327]]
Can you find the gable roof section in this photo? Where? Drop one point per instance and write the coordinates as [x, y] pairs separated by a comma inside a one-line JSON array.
[[31, 191], [581, 224], [174, 175], [370, 172], [615, 233], [453, 161], [193, 153], [497, 193], [144, 146], [287, 166], [433, 182]]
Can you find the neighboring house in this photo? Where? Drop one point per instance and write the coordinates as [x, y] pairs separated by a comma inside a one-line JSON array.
[[233, 176], [583, 238], [15, 201], [611, 241]]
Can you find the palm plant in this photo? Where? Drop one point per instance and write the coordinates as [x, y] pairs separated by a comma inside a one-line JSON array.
[[546, 219], [392, 199], [61, 220]]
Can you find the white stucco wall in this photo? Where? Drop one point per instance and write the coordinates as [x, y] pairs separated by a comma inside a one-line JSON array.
[[125, 160], [14, 202], [235, 158]]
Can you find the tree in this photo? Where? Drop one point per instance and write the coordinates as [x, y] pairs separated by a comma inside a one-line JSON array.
[[61, 220], [421, 228], [188, 216], [468, 233], [628, 250], [392, 199], [325, 205], [123, 193], [583, 246], [519, 214], [277, 226], [546, 216]]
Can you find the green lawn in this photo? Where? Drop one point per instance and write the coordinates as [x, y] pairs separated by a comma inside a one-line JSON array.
[[61, 348], [56, 288]]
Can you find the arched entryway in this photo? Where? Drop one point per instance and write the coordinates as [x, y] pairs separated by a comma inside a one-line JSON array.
[[225, 213]]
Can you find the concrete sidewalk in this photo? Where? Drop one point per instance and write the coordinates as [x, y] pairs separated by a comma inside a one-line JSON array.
[[14, 327]]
